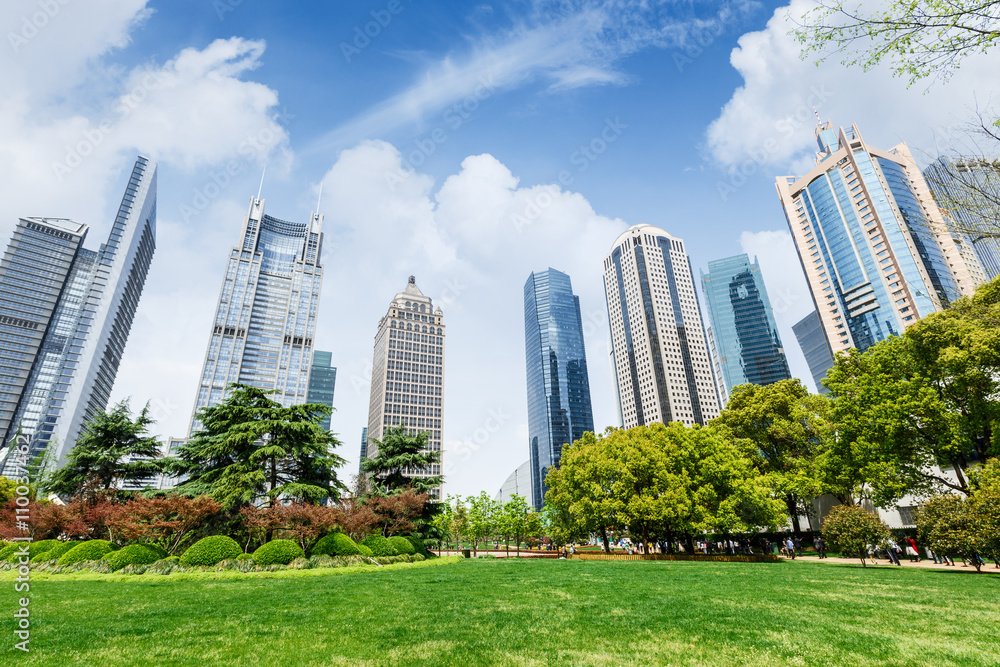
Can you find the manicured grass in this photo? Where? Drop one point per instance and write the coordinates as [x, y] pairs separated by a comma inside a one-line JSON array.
[[523, 612]]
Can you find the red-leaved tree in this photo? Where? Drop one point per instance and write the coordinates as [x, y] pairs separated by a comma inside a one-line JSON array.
[[169, 521]]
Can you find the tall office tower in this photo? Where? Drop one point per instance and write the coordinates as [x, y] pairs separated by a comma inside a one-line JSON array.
[[662, 368], [559, 408], [815, 348], [265, 320], [322, 381], [874, 247], [968, 189], [713, 353], [364, 448], [745, 335], [408, 373], [65, 315]]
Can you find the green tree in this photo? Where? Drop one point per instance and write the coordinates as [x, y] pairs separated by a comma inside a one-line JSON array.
[[917, 38], [785, 428], [400, 454], [949, 525], [113, 449], [849, 529], [515, 521], [7, 490], [484, 518], [251, 447]]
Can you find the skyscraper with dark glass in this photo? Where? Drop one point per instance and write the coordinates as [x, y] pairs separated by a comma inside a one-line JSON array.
[[815, 348], [265, 320], [559, 408], [65, 316], [874, 247], [322, 381], [746, 337]]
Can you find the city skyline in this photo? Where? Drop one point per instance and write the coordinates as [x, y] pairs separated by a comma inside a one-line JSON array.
[[466, 145]]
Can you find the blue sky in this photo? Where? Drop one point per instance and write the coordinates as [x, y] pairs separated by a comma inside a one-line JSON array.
[[430, 141]]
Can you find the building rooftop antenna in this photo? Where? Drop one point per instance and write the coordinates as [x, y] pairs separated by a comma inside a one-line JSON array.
[[319, 197], [261, 188], [819, 123]]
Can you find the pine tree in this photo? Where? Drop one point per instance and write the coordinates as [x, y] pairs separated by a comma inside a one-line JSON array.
[[400, 455]]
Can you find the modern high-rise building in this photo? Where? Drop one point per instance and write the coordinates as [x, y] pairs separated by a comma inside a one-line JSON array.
[[663, 372], [364, 448], [968, 191], [745, 335], [874, 247], [517, 484], [65, 316], [559, 407], [408, 373], [322, 381], [815, 348], [265, 320]]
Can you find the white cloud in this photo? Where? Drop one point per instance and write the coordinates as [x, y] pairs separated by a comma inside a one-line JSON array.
[[469, 247], [769, 120]]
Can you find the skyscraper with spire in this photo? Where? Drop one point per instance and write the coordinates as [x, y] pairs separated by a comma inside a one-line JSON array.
[[874, 247], [265, 319], [408, 373]]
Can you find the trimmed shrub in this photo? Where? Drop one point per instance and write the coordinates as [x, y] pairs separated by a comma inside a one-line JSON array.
[[402, 545], [336, 544], [363, 550], [133, 554], [211, 551], [418, 545], [157, 549], [244, 557], [56, 552], [277, 552], [380, 546], [84, 551], [34, 549], [8, 550]]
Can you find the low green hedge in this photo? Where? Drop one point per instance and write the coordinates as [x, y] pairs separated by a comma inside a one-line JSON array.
[[133, 554], [9, 549], [211, 550], [244, 557], [363, 550], [157, 549], [402, 545], [335, 544], [380, 546], [418, 545], [277, 552], [56, 552], [89, 550]]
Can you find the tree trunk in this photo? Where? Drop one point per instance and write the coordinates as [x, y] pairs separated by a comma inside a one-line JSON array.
[[689, 543], [793, 513], [670, 541], [604, 539]]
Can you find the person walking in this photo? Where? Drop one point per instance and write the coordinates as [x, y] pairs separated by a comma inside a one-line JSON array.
[[790, 548], [912, 548], [798, 545], [893, 551], [820, 546]]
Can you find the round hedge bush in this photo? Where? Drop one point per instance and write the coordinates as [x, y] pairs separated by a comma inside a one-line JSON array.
[[380, 546], [418, 545], [402, 545], [211, 550], [133, 554], [89, 550], [335, 544], [277, 552], [244, 557], [34, 549], [364, 550], [8, 550], [157, 549], [55, 553]]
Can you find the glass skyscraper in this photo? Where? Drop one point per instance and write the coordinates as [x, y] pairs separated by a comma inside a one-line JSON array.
[[322, 381], [265, 320], [815, 348], [968, 189], [408, 373], [874, 247], [746, 337], [65, 316], [663, 371], [559, 408]]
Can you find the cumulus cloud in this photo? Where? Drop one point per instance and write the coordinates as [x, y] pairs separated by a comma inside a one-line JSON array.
[[769, 120], [471, 243]]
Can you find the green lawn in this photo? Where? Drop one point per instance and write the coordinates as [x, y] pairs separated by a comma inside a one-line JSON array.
[[522, 612]]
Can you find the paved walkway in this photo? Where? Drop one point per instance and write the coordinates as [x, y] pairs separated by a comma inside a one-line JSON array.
[[882, 562]]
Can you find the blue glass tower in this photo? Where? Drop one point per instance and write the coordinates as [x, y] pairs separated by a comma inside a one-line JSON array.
[[559, 408], [873, 245], [322, 381], [746, 337]]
